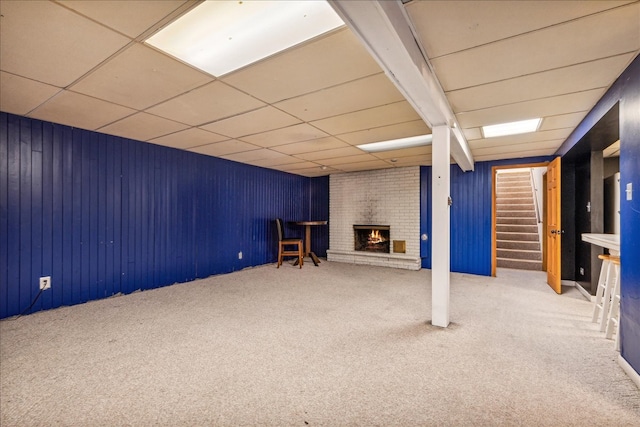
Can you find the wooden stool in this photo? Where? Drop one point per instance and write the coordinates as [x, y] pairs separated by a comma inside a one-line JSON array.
[[614, 313], [603, 292]]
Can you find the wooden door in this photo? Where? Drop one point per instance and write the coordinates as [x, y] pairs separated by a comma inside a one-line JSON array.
[[553, 230]]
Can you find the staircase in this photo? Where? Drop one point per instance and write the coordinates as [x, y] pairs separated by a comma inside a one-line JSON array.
[[517, 239]]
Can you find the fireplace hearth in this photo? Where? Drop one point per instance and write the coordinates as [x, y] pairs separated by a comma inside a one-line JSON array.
[[372, 238]]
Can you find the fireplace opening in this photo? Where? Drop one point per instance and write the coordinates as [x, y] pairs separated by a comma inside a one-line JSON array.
[[371, 238]]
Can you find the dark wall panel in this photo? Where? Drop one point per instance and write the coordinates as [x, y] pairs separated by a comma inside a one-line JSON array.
[[626, 91], [104, 215]]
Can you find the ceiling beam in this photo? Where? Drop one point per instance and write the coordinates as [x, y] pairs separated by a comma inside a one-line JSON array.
[[385, 30]]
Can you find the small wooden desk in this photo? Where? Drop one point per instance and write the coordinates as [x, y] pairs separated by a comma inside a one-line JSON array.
[[307, 238]]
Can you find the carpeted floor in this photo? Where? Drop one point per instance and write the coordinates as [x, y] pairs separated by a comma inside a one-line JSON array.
[[334, 345]]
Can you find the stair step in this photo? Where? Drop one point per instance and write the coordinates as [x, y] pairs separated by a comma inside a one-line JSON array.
[[514, 194], [517, 244], [513, 200], [514, 206], [513, 177], [510, 235], [516, 228], [509, 220], [519, 254], [519, 264], [515, 213], [513, 186]]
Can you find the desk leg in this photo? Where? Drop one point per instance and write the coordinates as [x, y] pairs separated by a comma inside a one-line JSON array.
[[307, 245], [314, 258]]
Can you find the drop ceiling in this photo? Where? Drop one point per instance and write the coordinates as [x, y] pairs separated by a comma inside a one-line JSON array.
[[304, 110]]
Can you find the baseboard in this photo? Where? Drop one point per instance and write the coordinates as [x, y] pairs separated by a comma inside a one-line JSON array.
[[628, 369], [579, 287], [583, 291]]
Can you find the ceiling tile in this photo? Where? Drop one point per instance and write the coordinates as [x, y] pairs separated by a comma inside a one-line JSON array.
[[515, 148], [424, 160], [563, 121], [353, 96], [385, 133], [142, 127], [472, 133], [515, 155], [389, 114], [450, 26], [576, 78], [188, 138], [292, 167], [225, 147], [363, 166], [314, 172], [20, 95], [260, 120], [140, 77], [309, 146], [248, 156], [339, 55], [295, 133], [84, 112], [424, 151], [597, 36], [343, 160], [276, 161], [540, 136], [331, 154], [132, 20], [526, 110], [211, 102], [46, 42]]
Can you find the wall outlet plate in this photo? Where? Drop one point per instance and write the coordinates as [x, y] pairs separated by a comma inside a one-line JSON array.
[[45, 283]]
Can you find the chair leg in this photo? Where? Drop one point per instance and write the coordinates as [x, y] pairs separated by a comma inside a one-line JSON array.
[[279, 255], [300, 257]]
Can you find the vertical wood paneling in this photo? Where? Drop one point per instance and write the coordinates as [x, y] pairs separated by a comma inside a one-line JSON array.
[[47, 211], [25, 292], [103, 214], [4, 217], [425, 216]]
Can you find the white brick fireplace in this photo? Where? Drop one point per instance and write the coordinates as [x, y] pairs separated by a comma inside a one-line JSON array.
[[383, 197]]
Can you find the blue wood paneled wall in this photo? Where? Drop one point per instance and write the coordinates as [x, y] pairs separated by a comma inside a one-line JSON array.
[[104, 215], [470, 215]]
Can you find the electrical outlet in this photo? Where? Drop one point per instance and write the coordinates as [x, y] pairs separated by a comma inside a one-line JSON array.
[[45, 283], [582, 271], [239, 255]]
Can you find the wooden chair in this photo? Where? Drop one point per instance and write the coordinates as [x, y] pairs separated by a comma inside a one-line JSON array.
[[284, 243]]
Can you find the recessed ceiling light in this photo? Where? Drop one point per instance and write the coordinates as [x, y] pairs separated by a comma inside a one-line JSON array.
[[222, 36], [396, 144], [511, 128]]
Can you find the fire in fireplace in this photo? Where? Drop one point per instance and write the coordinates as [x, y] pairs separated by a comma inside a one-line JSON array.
[[371, 238]]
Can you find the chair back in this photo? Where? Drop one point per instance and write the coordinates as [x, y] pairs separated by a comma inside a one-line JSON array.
[[280, 229]]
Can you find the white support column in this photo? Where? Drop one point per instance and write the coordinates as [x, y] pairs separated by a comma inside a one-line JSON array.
[[440, 226]]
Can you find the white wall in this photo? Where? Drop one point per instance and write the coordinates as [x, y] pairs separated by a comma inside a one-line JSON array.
[[383, 197]]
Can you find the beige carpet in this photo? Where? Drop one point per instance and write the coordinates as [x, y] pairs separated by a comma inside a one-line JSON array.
[[333, 345]]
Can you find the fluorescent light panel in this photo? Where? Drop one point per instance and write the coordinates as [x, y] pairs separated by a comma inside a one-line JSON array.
[[222, 36], [396, 144], [511, 128]]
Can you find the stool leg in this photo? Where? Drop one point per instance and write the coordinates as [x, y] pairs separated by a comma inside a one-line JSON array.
[[602, 282], [606, 297], [613, 317]]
